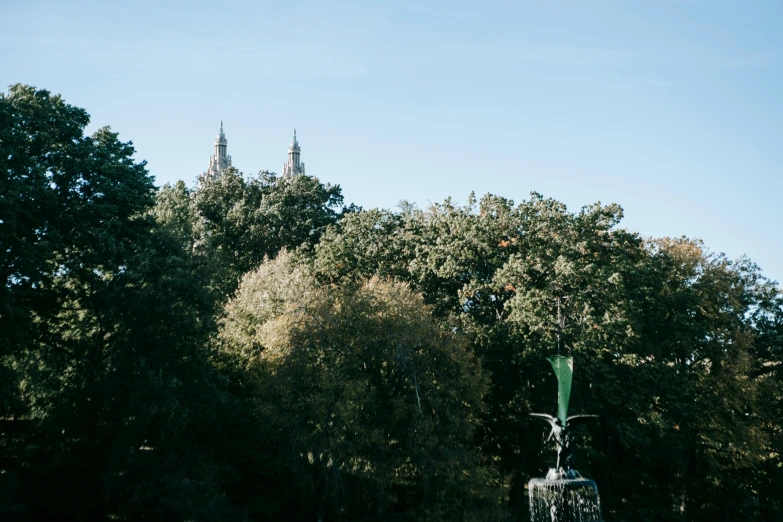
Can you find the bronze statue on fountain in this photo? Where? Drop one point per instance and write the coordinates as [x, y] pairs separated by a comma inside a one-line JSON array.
[[562, 434]]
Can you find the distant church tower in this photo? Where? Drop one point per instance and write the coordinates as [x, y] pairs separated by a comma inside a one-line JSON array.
[[221, 160], [293, 167]]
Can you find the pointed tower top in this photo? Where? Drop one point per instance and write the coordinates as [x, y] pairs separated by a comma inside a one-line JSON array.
[[220, 161], [294, 146], [293, 167]]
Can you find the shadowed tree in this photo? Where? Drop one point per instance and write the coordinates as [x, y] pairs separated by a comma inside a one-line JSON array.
[[103, 326]]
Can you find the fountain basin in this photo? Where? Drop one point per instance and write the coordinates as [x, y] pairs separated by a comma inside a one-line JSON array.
[[571, 499]]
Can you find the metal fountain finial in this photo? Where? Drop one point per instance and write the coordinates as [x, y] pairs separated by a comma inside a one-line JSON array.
[[560, 325]]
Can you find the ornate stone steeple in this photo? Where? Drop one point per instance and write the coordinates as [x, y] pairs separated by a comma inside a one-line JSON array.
[[221, 160], [293, 167]]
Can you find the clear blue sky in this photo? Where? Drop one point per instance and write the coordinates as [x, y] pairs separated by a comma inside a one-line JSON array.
[[673, 109]]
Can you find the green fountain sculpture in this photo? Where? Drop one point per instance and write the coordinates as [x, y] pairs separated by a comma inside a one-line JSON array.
[[564, 495]]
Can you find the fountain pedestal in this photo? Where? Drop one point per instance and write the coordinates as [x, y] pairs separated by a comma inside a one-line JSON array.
[[564, 497]]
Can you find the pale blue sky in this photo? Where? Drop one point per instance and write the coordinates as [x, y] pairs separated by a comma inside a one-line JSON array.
[[672, 109]]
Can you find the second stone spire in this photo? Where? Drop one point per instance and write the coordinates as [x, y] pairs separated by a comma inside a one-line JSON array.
[[293, 167]]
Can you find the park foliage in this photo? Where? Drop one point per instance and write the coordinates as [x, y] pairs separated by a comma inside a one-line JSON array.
[[253, 349]]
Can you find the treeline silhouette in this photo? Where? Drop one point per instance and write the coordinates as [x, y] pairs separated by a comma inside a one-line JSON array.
[[252, 349]]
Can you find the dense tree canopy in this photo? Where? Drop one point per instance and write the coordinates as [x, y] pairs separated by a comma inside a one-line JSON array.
[[250, 349], [665, 336]]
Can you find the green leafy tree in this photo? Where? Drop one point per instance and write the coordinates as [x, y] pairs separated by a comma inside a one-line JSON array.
[[112, 391], [371, 402], [68, 203]]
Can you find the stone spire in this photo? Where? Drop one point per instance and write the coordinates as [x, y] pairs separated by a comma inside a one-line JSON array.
[[221, 160], [293, 167]]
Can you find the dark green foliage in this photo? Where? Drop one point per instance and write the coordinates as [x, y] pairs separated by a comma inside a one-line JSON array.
[[129, 404], [109, 389], [372, 365], [68, 202], [233, 223]]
